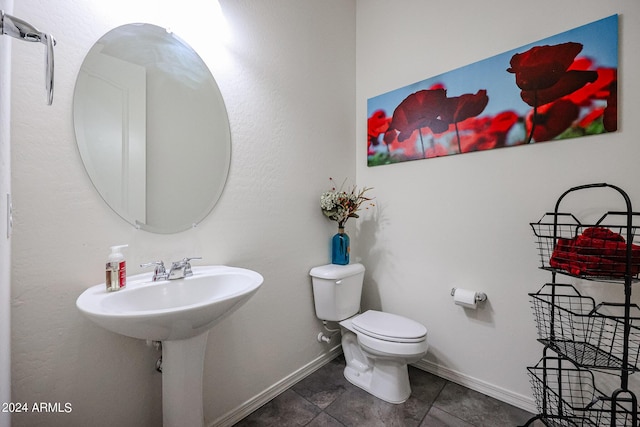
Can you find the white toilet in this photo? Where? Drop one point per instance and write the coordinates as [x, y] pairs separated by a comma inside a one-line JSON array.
[[377, 346]]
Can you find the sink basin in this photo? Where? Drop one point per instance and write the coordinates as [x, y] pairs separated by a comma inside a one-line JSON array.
[[179, 313], [172, 309]]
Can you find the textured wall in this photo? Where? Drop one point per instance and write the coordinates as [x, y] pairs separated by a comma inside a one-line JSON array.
[[5, 242], [463, 220], [287, 75]]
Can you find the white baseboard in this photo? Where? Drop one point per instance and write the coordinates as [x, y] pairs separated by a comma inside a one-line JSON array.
[[518, 400], [242, 411], [256, 402]]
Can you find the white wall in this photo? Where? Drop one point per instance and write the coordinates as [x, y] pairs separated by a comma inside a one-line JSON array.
[[287, 76], [5, 242], [464, 220], [290, 82]]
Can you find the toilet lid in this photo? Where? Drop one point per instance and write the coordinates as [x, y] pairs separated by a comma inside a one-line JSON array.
[[389, 327]]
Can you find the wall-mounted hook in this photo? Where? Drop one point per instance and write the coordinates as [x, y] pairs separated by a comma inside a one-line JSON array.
[[22, 30]]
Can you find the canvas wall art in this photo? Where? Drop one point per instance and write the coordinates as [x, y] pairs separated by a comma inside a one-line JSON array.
[[561, 87]]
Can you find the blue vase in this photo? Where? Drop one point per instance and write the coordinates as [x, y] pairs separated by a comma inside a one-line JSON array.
[[340, 248]]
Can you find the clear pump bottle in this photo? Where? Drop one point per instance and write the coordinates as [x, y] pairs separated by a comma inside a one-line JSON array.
[[116, 269]]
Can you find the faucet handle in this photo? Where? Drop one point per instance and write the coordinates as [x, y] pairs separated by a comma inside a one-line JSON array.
[[159, 264], [183, 262], [185, 265], [159, 272]]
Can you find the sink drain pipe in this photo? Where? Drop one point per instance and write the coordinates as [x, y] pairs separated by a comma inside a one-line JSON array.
[[158, 346]]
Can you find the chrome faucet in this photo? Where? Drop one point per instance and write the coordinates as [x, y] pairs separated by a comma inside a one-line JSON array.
[[159, 273], [180, 269]]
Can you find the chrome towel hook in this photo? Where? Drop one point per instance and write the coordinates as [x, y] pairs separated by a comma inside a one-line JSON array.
[[22, 30]]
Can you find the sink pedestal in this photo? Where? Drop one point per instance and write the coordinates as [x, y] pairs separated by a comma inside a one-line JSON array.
[[182, 374], [179, 313]]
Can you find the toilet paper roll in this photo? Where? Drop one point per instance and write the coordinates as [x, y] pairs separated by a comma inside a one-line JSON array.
[[465, 298]]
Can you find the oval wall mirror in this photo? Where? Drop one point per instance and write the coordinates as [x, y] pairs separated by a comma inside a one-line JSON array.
[[152, 128]]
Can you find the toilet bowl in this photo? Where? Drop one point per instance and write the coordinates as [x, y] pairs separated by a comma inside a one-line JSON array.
[[377, 346]]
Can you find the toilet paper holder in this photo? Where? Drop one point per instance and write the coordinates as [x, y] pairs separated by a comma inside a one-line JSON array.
[[480, 296]]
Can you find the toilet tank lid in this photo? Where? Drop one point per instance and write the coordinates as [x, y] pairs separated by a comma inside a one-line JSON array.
[[335, 271]]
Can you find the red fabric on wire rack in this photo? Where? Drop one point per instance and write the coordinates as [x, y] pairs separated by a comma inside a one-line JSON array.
[[598, 251]]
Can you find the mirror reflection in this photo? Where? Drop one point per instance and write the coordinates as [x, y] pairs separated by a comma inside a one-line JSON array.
[[151, 128]]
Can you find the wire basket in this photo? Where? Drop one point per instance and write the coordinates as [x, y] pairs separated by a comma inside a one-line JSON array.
[[567, 397], [590, 335], [607, 251]]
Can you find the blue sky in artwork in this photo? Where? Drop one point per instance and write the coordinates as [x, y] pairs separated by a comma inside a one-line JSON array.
[[599, 40]]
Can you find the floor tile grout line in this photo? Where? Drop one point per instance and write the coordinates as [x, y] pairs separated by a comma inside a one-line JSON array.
[[312, 403], [433, 402], [322, 410]]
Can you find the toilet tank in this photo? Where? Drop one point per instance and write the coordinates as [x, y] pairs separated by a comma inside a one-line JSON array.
[[337, 290]]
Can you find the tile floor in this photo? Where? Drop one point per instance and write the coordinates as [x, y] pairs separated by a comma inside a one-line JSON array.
[[327, 399]]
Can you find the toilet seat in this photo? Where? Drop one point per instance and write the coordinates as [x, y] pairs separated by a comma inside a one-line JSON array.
[[389, 327]]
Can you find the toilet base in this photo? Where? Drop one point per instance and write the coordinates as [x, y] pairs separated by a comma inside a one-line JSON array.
[[386, 381], [385, 378]]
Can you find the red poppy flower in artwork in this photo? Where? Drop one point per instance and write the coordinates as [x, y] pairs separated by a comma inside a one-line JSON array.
[[582, 63], [500, 126], [486, 133], [459, 108], [599, 89], [543, 66], [474, 124], [390, 137], [570, 82], [546, 74], [503, 121], [552, 119], [408, 149], [376, 124], [476, 142], [463, 107], [418, 110]]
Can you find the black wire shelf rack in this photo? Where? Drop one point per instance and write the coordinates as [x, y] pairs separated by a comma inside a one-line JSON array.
[[607, 250], [566, 396], [584, 335], [591, 335]]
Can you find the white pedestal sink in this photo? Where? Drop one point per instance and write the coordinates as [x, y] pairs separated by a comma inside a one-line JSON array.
[[179, 313]]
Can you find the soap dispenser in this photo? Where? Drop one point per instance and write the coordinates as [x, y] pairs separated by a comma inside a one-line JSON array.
[[116, 269]]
